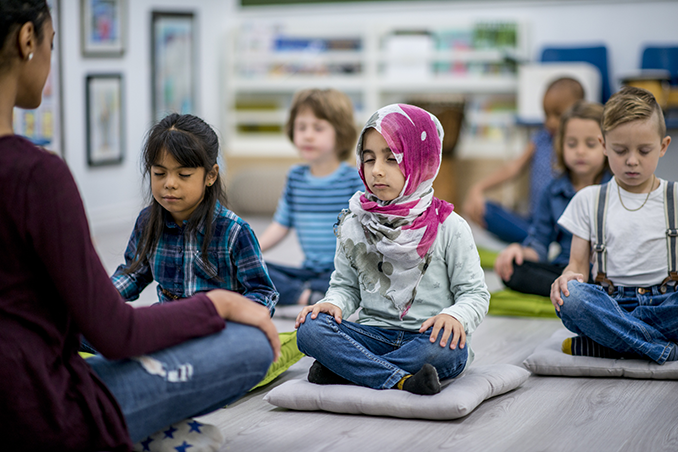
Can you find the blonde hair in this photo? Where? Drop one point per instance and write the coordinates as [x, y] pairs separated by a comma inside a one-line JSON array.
[[581, 110], [333, 106], [631, 104]]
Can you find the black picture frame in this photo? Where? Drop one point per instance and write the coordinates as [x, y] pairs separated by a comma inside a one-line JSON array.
[[102, 27], [173, 63], [105, 125]]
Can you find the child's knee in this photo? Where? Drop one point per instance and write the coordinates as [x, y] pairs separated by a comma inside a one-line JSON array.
[[448, 362], [310, 332], [259, 350], [577, 295]]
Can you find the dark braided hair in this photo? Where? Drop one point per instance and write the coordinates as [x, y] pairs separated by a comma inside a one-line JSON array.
[[192, 143], [13, 15]]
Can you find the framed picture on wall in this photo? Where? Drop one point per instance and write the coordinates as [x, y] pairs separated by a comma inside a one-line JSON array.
[[173, 56], [43, 125], [105, 131], [102, 27]]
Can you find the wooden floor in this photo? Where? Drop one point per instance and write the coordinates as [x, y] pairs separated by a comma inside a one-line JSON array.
[[544, 414]]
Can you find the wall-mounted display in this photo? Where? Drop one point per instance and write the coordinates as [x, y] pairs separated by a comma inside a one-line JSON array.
[[102, 27], [105, 131], [43, 126], [173, 79]]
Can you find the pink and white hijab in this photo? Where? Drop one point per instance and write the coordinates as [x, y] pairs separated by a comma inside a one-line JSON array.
[[389, 242]]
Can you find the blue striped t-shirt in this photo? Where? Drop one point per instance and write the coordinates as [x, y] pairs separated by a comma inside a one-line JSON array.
[[311, 205]]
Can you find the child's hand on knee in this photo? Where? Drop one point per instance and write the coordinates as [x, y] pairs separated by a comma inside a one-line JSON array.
[[326, 307], [237, 308], [503, 265], [450, 326], [560, 286]]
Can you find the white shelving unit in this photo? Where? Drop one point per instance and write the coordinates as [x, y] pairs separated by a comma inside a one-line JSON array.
[[260, 81]]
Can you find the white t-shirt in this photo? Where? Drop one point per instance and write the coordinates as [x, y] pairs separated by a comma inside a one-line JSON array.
[[637, 254]]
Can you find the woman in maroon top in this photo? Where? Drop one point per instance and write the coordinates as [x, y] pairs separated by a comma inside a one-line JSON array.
[[53, 289]]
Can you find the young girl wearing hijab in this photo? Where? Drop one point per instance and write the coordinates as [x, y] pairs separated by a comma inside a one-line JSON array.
[[407, 260]]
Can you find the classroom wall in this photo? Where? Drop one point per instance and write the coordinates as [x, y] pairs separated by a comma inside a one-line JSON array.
[[624, 26], [113, 194]]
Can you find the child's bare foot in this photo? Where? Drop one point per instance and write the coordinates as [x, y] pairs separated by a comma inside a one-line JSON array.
[[309, 297], [303, 298]]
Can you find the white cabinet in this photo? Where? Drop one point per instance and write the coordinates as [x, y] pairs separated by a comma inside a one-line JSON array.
[[267, 63]]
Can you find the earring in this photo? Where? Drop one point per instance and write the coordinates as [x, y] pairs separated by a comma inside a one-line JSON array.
[[30, 56]]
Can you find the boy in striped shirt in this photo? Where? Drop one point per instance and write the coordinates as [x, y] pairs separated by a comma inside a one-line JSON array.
[[322, 128]]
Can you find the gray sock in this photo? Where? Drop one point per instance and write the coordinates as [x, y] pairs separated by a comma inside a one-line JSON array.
[[424, 382]]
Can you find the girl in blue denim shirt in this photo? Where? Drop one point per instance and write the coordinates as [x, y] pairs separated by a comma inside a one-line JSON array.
[[524, 267]]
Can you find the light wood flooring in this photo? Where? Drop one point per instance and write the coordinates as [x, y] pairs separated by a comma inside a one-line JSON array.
[[544, 414]]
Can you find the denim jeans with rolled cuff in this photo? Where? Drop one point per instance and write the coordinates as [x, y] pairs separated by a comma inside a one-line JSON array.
[[640, 321], [375, 357], [189, 379]]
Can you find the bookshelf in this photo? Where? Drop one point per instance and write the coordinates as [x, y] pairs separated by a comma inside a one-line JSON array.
[[475, 62]]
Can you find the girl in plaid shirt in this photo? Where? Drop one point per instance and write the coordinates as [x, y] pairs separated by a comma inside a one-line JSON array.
[[186, 239]]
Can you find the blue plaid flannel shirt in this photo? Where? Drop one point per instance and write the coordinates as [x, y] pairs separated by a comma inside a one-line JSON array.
[[234, 262]]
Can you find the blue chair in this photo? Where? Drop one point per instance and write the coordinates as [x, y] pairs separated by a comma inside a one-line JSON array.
[[662, 58], [594, 55]]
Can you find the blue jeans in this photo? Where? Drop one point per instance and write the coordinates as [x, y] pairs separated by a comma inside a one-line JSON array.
[[375, 357], [628, 322], [291, 281], [189, 379], [506, 225]]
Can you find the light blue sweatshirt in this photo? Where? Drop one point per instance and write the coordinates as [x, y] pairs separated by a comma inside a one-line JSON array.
[[453, 284]]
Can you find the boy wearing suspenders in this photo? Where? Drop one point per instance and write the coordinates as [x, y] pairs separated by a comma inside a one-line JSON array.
[[627, 227]]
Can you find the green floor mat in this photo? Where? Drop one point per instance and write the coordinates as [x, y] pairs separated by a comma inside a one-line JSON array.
[[487, 257], [509, 302], [289, 354]]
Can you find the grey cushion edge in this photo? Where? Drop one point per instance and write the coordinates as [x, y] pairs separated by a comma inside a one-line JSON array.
[[458, 398], [548, 359]]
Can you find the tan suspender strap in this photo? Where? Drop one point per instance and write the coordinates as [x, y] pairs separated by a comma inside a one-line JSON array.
[[670, 211]]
